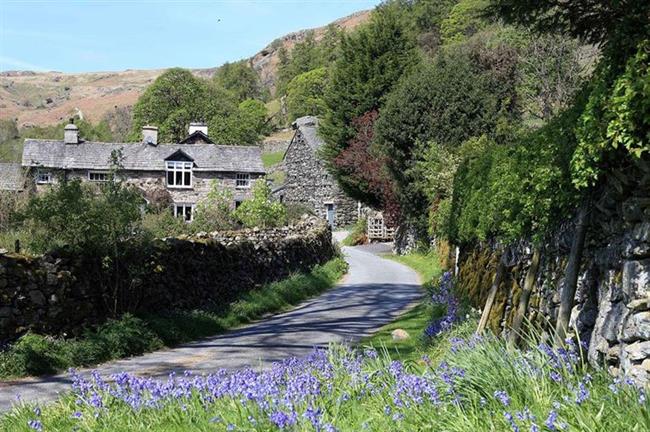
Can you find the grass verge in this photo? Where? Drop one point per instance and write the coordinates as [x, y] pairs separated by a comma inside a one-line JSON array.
[[270, 159], [34, 354], [415, 320], [476, 384], [357, 234]]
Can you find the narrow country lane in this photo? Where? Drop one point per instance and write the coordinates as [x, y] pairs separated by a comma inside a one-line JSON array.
[[373, 293]]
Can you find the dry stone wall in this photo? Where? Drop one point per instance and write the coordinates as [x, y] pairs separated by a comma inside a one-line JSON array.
[[612, 302], [62, 293]]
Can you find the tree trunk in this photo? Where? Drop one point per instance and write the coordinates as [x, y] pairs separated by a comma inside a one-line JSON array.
[[522, 308], [571, 275], [501, 269]]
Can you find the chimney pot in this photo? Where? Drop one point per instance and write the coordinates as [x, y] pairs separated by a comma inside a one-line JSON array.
[[71, 133], [150, 135], [198, 126]]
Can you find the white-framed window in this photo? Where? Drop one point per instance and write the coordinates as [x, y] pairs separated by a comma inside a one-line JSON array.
[[184, 210], [98, 176], [44, 177], [179, 174], [243, 181]]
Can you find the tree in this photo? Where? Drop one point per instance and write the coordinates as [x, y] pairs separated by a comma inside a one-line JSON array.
[[304, 56], [305, 94], [240, 80], [606, 22], [245, 126], [261, 210], [120, 120], [371, 61], [465, 19], [468, 90], [174, 100], [363, 173]]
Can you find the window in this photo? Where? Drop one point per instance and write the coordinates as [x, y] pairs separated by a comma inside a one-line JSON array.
[[243, 181], [97, 176], [179, 174], [184, 211], [43, 177]]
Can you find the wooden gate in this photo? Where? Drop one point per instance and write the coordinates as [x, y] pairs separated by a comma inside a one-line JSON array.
[[377, 229]]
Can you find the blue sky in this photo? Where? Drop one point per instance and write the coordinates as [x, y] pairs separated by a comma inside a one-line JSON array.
[[104, 35]]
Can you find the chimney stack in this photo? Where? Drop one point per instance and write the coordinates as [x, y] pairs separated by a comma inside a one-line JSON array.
[[198, 126], [150, 135], [71, 133]]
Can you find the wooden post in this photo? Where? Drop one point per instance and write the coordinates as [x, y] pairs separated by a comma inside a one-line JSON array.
[[17, 246], [527, 290], [501, 269], [571, 275]]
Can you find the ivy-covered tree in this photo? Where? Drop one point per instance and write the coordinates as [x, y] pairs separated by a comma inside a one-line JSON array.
[[468, 90]]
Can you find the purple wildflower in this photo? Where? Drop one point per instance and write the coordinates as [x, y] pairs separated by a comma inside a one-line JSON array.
[[511, 421], [503, 397], [35, 425]]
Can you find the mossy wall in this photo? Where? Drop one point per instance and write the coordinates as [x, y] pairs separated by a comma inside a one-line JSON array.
[[612, 302]]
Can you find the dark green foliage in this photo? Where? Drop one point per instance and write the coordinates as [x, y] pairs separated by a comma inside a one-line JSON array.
[[467, 90], [174, 100], [518, 190], [240, 80], [594, 21], [371, 61], [34, 354]]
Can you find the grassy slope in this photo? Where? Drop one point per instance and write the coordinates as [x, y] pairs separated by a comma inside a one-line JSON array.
[[35, 355]]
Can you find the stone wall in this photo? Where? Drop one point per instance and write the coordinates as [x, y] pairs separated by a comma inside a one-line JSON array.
[[612, 302], [309, 184], [62, 292], [274, 145]]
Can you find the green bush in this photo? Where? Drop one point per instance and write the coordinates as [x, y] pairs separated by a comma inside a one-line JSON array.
[[261, 210], [358, 234]]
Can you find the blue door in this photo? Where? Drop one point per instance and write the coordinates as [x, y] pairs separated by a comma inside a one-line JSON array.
[[330, 214]]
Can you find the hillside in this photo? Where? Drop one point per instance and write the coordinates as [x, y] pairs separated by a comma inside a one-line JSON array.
[[46, 98]]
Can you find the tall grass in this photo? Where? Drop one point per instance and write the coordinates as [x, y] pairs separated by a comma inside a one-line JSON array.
[[35, 354], [476, 384]]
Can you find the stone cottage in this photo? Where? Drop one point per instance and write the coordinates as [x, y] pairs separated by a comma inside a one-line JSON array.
[[308, 182], [179, 175]]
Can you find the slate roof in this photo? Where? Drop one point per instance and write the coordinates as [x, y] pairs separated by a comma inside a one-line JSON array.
[[308, 126], [140, 156], [11, 177]]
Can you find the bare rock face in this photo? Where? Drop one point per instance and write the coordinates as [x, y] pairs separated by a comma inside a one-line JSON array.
[[400, 335]]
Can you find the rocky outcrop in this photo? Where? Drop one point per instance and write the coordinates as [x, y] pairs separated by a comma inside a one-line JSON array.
[[63, 292]]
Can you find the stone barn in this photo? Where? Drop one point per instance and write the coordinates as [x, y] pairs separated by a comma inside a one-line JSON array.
[[308, 182]]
